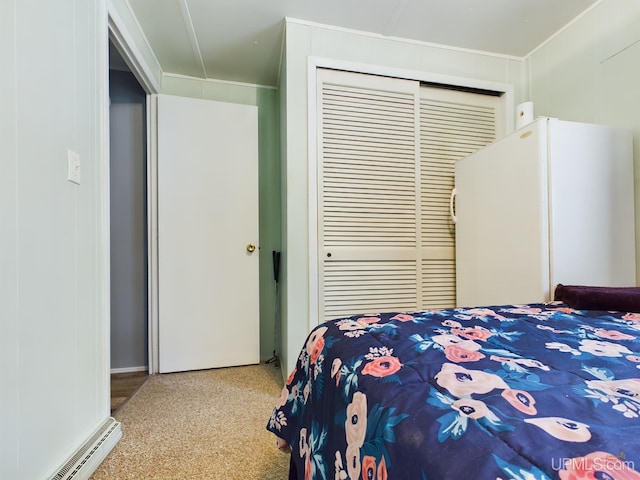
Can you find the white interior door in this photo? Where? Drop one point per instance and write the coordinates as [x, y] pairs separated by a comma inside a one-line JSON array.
[[207, 218]]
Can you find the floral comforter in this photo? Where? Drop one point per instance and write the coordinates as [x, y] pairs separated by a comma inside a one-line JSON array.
[[508, 392]]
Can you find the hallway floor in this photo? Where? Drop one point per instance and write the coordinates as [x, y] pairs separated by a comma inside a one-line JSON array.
[[124, 386]]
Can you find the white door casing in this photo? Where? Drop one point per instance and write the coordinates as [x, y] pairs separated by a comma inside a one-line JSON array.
[[208, 290]]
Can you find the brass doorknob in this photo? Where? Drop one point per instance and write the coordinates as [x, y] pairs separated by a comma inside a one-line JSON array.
[[251, 247]]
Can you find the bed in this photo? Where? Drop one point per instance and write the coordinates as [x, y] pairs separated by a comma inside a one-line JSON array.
[[525, 392]]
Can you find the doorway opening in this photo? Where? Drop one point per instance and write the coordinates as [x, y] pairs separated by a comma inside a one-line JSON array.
[[129, 258]]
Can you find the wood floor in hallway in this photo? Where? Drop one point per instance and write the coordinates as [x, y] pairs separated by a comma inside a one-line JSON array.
[[124, 386]]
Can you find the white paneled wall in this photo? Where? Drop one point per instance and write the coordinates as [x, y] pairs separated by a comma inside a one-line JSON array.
[[9, 329], [53, 244], [590, 72]]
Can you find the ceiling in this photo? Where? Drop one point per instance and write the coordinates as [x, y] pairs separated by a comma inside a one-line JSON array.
[[241, 40]]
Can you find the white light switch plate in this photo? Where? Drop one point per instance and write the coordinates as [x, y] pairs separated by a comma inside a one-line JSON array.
[[73, 167]]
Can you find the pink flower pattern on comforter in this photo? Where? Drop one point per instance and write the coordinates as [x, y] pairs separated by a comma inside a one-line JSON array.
[[506, 392]]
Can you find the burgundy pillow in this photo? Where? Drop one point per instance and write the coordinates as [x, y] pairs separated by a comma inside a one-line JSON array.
[[584, 297]]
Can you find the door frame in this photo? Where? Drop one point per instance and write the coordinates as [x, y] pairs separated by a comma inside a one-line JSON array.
[[313, 64], [126, 47]]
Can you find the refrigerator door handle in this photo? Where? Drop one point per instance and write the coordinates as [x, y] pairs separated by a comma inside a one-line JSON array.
[[452, 211]]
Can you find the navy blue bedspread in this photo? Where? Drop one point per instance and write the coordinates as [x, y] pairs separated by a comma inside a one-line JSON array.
[[508, 392]]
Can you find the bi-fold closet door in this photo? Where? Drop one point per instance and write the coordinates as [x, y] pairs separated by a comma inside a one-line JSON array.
[[386, 154]]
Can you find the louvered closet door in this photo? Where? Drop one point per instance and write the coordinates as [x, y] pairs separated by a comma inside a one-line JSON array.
[[453, 124], [386, 154], [368, 245]]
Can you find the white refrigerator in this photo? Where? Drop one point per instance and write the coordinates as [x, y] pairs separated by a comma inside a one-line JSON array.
[[551, 203]]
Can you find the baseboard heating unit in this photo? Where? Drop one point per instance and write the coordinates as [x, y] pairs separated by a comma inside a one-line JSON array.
[[89, 456]]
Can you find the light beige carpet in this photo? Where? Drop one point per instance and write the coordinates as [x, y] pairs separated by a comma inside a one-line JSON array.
[[206, 424]]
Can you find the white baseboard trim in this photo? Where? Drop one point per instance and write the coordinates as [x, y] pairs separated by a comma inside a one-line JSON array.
[[90, 455], [129, 369]]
